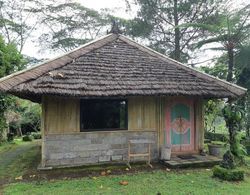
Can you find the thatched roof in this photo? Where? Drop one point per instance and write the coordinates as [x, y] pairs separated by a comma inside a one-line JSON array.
[[115, 66]]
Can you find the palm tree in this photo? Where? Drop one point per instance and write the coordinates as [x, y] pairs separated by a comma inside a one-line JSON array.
[[242, 65], [230, 30]]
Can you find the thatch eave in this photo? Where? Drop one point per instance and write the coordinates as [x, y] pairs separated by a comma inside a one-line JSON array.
[[115, 66]]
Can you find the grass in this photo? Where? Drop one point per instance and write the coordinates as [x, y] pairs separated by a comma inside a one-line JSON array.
[[191, 181], [9, 145], [197, 181], [17, 158]]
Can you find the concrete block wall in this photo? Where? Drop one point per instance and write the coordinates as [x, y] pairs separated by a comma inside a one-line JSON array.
[[94, 147]]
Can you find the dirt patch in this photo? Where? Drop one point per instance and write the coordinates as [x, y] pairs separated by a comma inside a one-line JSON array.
[[88, 171]]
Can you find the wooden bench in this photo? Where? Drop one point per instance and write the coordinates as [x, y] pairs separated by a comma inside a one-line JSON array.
[[148, 154]]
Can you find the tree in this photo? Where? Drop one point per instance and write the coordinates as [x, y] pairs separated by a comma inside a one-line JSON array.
[[230, 31], [219, 69], [242, 69], [159, 21], [68, 25], [23, 116], [18, 19], [10, 60]]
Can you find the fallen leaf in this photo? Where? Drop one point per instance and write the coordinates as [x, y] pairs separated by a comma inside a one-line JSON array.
[[127, 169], [19, 178], [124, 183], [103, 173], [167, 169], [108, 171]]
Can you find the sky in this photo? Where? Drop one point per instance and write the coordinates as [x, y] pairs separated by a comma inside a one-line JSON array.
[[119, 9]]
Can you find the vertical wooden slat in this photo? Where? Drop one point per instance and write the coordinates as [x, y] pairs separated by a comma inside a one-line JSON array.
[[149, 113], [199, 124], [62, 115], [135, 117]]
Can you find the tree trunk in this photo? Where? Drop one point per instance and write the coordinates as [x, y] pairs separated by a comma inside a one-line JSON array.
[[230, 52], [177, 50], [19, 132]]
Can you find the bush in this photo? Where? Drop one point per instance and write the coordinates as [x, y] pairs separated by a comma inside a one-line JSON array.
[[246, 143], [27, 138], [10, 137], [216, 136], [36, 135], [228, 174]]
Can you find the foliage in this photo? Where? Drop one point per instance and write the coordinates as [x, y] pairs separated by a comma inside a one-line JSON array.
[[231, 29], [228, 174], [24, 115], [216, 136], [18, 19], [36, 135], [213, 118], [70, 24], [233, 117], [242, 65], [219, 69], [159, 22], [228, 161], [28, 138], [10, 60]]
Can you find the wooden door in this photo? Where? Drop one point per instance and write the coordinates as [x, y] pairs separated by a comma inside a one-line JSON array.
[[180, 125]]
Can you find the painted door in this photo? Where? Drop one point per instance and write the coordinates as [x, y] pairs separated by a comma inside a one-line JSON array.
[[180, 125]]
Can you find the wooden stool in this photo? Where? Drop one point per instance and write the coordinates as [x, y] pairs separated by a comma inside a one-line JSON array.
[[148, 154]]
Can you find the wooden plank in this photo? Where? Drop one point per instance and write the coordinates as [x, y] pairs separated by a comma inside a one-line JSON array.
[[135, 117], [199, 124], [142, 113], [149, 113], [44, 132], [138, 155], [141, 141], [62, 115]]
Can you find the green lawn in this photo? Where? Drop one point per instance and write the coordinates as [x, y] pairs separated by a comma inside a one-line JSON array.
[[17, 158], [9, 145], [181, 182], [185, 181]]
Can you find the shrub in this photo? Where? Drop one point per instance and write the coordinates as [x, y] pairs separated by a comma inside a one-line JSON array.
[[228, 174], [216, 136], [36, 135], [27, 138], [10, 137]]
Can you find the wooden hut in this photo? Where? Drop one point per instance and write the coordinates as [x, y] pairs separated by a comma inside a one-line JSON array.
[[101, 95]]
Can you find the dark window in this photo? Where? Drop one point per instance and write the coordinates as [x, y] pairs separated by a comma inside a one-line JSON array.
[[103, 115]]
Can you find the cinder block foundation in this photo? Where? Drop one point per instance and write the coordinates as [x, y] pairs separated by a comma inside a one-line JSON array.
[[93, 147]]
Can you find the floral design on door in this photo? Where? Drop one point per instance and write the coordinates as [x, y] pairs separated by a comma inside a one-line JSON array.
[[180, 125]]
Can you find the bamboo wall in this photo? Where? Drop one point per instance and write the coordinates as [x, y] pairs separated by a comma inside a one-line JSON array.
[[62, 116], [142, 113]]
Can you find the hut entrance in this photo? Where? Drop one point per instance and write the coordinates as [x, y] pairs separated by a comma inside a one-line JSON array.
[[180, 125]]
